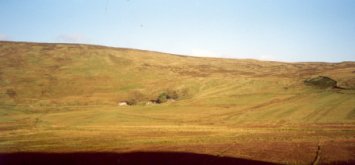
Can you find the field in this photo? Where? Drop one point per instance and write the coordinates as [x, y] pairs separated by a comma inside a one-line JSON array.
[[63, 98]]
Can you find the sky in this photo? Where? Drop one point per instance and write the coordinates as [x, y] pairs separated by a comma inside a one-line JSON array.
[[279, 30]]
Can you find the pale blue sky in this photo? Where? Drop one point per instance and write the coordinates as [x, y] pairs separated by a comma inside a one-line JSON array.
[[283, 30]]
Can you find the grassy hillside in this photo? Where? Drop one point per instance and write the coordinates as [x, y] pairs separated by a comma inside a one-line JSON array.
[[51, 92], [43, 76]]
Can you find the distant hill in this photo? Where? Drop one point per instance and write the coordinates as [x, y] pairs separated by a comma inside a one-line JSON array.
[[39, 75]]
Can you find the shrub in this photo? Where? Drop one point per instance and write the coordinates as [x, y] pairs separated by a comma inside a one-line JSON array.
[[162, 98], [321, 82], [165, 96], [135, 98]]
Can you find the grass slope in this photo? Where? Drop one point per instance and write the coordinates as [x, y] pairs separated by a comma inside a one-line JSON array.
[[63, 97]]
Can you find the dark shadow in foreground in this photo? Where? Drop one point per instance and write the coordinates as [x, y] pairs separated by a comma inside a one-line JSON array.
[[156, 158]]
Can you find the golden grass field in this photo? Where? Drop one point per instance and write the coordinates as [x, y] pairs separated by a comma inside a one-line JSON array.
[[61, 98]]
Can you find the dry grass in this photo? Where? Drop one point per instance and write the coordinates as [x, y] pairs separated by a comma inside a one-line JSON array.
[[66, 100]]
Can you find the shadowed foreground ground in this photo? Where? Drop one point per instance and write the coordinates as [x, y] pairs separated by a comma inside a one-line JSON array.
[[166, 158]]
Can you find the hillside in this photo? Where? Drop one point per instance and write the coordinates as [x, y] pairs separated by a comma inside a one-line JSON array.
[[50, 91], [45, 75]]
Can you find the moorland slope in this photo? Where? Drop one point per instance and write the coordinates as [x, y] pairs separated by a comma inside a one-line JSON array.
[[63, 98]]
